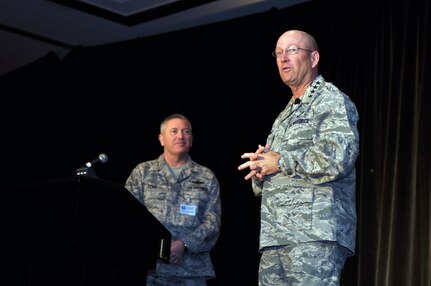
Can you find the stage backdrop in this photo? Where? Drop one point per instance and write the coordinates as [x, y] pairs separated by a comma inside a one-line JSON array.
[[57, 115]]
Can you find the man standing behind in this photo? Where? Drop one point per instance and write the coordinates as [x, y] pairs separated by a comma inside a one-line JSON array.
[[305, 174], [185, 197]]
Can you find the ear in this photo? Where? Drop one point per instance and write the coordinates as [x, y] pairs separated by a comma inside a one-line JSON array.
[[162, 140], [315, 56]]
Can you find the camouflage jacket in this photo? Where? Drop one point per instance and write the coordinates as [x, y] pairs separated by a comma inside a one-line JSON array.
[[189, 207], [313, 198]]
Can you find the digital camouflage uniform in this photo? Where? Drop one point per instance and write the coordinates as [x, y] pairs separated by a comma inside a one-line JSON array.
[[188, 206], [313, 198]]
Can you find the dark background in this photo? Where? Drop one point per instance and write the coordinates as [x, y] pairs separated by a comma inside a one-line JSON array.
[[59, 114]]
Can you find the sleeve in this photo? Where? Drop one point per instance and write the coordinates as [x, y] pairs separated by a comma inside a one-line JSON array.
[[205, 236], [134, 183]]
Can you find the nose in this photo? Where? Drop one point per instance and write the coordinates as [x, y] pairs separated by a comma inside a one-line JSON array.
[[182, 134], [283, 58], [284, 55]]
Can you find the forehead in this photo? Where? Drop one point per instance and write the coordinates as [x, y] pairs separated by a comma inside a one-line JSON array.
[[291, 39]]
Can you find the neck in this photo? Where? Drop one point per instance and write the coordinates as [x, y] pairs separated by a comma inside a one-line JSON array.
[[176, 160]]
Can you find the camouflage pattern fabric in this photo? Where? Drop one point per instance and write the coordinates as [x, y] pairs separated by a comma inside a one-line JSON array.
[[153, 279], [313, 198], [188, 206], [303, 264]]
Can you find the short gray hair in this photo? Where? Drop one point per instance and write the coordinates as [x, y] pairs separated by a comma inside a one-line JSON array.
[[173, 116]]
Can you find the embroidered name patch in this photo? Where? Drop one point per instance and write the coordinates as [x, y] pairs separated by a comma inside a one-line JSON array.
[[299, 121]]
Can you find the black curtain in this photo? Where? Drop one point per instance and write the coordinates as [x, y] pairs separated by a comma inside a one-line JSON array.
[[60, 114]]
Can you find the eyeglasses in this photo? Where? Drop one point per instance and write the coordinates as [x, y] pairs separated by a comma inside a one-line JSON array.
[[292, 50]]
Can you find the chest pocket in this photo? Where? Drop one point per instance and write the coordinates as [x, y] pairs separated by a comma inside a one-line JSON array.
[[299, 133], [155, 199]]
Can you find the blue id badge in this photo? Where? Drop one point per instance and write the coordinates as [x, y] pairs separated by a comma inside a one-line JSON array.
[[188, 209]]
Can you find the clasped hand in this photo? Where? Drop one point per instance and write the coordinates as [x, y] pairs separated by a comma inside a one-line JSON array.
[[261, 163]]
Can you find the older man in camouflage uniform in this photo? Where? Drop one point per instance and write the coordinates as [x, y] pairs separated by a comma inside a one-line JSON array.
[[305, 175], [185, 197]]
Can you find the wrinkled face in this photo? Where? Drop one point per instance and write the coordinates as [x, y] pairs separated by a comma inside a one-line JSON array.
[[296, 58], [176, 137]]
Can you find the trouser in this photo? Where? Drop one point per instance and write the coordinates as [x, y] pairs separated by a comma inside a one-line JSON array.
[[153, 279], [303, 264]]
